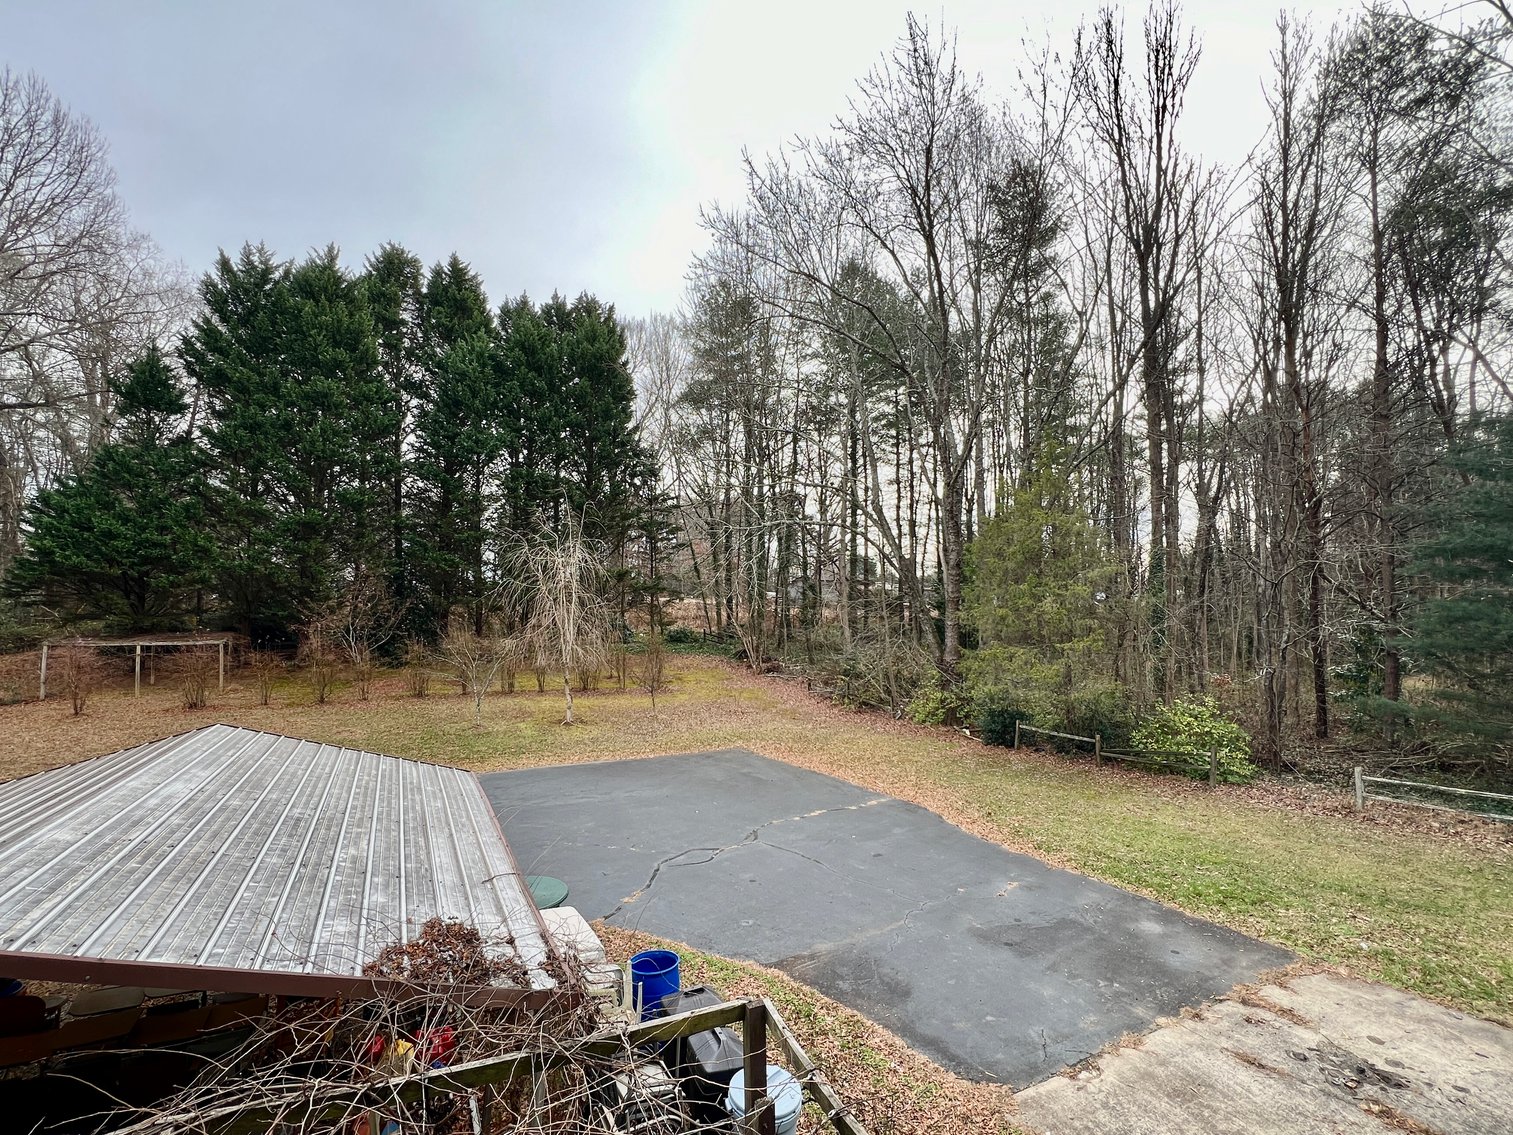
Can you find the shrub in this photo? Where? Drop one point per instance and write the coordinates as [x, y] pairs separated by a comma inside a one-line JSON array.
[[932, 703], [680, 636], [194, 669], [1009, 685], [1196, 725], [884, 672], [266, 667], [1100, 710], [18, 677], [79, 670], [364, 668], [417, 669], [995, 711], [321, 664]]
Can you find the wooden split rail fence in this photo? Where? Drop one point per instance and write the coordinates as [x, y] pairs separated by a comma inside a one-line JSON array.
[[1362, 785], [1174, 760]]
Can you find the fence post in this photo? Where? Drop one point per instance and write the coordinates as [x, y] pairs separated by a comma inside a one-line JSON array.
[[1097, 750], [1016, 733], [759, 1115], [1360, 789], [1213, 767]]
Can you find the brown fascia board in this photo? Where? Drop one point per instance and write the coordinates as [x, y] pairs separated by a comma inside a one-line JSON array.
[[223, 979]]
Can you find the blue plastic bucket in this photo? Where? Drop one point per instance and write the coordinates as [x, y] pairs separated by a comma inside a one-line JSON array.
[[654, 974], [786, 1093]]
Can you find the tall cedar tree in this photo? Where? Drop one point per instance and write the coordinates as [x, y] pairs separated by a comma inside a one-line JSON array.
[[126, 539], [392, 282], [1040, 578], [1465, 637], [299, 422], [460, 434], [605, 461]]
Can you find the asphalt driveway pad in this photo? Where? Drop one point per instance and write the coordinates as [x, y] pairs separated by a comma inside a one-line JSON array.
[[994, 964]]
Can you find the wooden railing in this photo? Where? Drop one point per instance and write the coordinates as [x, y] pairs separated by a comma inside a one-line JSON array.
[[334, 1103]]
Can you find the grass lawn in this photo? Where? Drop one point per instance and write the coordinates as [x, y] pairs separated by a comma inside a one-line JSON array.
[[1429, 912]]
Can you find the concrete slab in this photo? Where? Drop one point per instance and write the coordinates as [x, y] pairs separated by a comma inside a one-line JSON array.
[[994, 964], [1317, 1054]]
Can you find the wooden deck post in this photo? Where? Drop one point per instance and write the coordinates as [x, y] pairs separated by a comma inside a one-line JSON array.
[[136, 674], [1360, 788], [759, 1116], [42, 680]]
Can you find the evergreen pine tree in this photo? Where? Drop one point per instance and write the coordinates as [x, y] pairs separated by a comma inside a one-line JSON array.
[[1464, 637], [126, 540], [392, 283], [231, 352], [460, 436], [604, 463], [299, 430], [536, 445]]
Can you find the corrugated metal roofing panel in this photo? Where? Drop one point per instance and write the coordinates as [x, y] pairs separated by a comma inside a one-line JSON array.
[[233, 848]]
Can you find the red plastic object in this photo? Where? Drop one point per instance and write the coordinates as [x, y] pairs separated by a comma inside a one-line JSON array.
[[436, 1046]]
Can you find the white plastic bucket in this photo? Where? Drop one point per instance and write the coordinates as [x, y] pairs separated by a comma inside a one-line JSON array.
[[786, 1093]]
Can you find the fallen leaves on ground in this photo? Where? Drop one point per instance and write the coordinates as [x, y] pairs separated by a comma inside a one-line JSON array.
[[892, 1089]]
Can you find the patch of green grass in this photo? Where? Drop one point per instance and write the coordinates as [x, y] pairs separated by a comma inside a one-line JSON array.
[[1415, 911]]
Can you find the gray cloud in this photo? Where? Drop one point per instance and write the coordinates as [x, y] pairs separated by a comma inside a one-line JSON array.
[[555, 146]]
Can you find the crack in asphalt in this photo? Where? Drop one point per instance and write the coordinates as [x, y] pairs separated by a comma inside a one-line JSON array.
[[749, 838]]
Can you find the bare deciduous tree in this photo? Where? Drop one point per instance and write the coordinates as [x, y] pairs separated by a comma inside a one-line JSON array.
[[363, 618], [80, 293], [559, 579]]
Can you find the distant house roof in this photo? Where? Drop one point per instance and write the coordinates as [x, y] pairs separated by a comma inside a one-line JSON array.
[[262, 862]]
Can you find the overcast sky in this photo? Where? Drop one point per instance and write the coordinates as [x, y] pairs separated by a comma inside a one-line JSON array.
[[562, 146]]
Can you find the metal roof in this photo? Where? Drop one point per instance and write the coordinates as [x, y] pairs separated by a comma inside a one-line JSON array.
[[271, 862]]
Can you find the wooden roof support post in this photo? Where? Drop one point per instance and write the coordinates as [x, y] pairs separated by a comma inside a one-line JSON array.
[[220, 650], [136, 675], [42, 680]]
